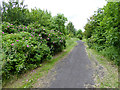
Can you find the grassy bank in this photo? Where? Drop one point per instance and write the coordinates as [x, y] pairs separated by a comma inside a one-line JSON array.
[[28, 79], [105, 71], [0, 55]]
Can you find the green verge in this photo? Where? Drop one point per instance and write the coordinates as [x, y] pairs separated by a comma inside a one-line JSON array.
[[0, 54], [28, 79], [110, 70]]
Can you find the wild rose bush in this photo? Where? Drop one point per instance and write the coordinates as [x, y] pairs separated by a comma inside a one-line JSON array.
[[8, 28], [22, 52], [56, 42], [55, 39], [26, 47]]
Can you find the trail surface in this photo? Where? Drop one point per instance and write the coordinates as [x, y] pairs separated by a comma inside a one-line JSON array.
[[74, 71]]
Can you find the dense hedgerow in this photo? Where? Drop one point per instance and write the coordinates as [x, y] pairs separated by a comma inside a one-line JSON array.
[[28, 38], [55, 39], [26, 47], [103, 31]]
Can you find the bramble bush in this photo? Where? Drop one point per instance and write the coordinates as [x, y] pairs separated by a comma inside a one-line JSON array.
[[26, 47]]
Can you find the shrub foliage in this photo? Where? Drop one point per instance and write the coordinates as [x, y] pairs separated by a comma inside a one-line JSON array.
[[103, 31], [26, 47]]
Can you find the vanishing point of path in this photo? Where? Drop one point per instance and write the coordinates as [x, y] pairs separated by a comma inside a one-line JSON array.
[[74, 71]]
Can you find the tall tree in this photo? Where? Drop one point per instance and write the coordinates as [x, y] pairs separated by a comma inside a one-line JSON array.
[[103, 32], [70, 29], [58, 23], [79, 34], [41, 17], [14, 12]]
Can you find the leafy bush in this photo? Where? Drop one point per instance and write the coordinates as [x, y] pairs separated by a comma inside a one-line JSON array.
[[15, 12], [55, 39], [56, 42], [112, 53], [22, 52], [79, 34], [26, 47], [8, 28], [28, 37], [70, 29], [102, 31]]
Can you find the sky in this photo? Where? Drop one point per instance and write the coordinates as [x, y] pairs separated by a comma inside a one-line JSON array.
[[76, 11]]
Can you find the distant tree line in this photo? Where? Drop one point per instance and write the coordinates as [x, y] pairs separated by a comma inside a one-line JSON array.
[[17, 13]]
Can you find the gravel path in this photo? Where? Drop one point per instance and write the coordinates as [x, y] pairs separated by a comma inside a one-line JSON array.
[[74, 71]]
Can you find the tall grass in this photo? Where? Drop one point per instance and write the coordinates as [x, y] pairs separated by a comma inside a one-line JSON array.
[[112, 53]]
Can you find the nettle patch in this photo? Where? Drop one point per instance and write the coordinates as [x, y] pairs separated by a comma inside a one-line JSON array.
[[26, 47]]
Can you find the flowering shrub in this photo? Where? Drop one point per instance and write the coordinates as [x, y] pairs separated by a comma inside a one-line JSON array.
[[8, 28], [26, 47], [22, 52], [56, 41]]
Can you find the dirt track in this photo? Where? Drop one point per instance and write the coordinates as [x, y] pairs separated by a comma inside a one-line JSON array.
[[74, 71]]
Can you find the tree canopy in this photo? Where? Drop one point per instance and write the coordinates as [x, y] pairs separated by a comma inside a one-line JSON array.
[[103, 30]]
